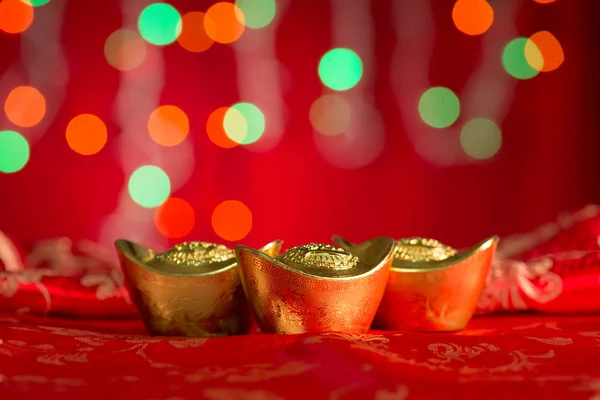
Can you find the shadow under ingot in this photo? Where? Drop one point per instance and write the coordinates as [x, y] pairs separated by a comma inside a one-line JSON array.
[[432, 287], [192, 289], [316, 287]]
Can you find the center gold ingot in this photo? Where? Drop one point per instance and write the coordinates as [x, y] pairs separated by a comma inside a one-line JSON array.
[[316, 287], [432, 287], [192, 289]]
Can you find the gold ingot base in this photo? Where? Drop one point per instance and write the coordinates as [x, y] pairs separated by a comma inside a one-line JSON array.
[[192, 289], [432, 287], [316, 287]]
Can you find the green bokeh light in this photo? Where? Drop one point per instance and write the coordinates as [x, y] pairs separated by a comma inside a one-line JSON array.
[[439, 107], [14, 151], [244, 123], [160, 24], [515, 61], [340, 69], [35, 3], [149, 186], [257, 13]]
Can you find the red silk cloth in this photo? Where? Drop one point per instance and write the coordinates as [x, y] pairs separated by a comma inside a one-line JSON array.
[[67, 327], [516, 357]]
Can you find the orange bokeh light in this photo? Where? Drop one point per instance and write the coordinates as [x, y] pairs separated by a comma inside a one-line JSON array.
[[549, 47], [86, 134], [25, 106], [15, 16], [174, 218], [232, 220], [472, 17], [193, 36], [168, 125], [224, 22], [216, 131]]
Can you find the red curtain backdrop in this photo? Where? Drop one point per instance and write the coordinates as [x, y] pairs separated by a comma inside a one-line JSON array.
[[547, 164]]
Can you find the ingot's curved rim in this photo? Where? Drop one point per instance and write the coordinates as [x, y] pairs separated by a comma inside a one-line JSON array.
[[426, 266], [383, 259], [129, 249]]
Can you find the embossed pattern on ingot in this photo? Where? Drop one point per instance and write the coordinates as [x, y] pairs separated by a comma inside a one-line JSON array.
[[422, 249], [196, 254], [317, 285], [319, 256]]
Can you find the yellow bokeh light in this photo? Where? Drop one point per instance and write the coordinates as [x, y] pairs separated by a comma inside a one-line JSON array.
[[216, 131], [480, 138], [544, 46], [330, 115], [125, 49]]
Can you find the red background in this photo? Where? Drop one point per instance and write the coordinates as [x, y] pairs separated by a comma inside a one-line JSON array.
[[548, 162]]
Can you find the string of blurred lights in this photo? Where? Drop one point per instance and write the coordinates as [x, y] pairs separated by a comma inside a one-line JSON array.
[[35, 83], [487, 93], [259, 119], [348, 130], [155, 149], [147, 185]]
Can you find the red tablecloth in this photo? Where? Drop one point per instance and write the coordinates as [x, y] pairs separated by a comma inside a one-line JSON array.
[[69, 330], [516, 357]]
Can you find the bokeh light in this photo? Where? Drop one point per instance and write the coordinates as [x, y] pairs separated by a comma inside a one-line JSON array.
[[232, 220], [15, 16], [36, 3], [149, 186], [174, 218], [86, 134], [480, 138], [544, 1], [472, 17], [216, 130], [193, 36], [224, 22], [439, 107], [257, 13], [125, 49], [168, 125], [25, 106], [545, 46], [516, 63], [244, 123], [340, 69], [159, 24], [330, 115], [14, 151]]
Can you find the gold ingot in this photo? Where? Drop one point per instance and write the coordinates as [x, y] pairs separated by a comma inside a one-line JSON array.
[[432, 287], [192, 289], [316, 287]]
